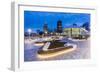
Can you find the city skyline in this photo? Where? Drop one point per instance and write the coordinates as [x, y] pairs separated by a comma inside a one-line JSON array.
[[35, 20], [56, 36]]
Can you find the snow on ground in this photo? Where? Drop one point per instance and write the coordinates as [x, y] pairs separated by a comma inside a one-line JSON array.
[[82, 52]]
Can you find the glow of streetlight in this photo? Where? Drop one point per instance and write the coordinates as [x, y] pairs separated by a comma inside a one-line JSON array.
[[29, 30]]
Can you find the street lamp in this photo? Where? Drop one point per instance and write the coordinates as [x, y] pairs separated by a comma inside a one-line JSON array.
[[29, 31]]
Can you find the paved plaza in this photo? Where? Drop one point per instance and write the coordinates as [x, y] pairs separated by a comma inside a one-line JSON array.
[[82, 51]]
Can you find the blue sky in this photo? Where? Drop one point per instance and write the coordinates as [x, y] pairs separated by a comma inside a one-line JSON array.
[[35, 20]]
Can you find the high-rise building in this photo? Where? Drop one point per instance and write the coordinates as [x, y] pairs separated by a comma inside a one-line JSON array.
[[59, 26], [45, 28]]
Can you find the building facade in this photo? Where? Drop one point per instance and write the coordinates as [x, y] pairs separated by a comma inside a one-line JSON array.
[[75, 32], [59, 26], [45, 28]]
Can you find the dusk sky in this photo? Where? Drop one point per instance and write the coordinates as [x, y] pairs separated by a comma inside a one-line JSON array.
[[35, 20]]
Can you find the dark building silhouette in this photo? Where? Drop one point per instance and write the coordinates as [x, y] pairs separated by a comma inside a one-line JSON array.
[[26, 34], [86, 26], [45, 28], [33, 34], [38, 31], [59, 26], [74, 25]]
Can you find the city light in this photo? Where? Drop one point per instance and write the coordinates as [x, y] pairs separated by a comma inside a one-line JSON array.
[[55, 54], [29, 30], [48, 33]]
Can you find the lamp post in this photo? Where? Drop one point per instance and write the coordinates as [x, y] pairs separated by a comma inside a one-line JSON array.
[[29, 31]]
